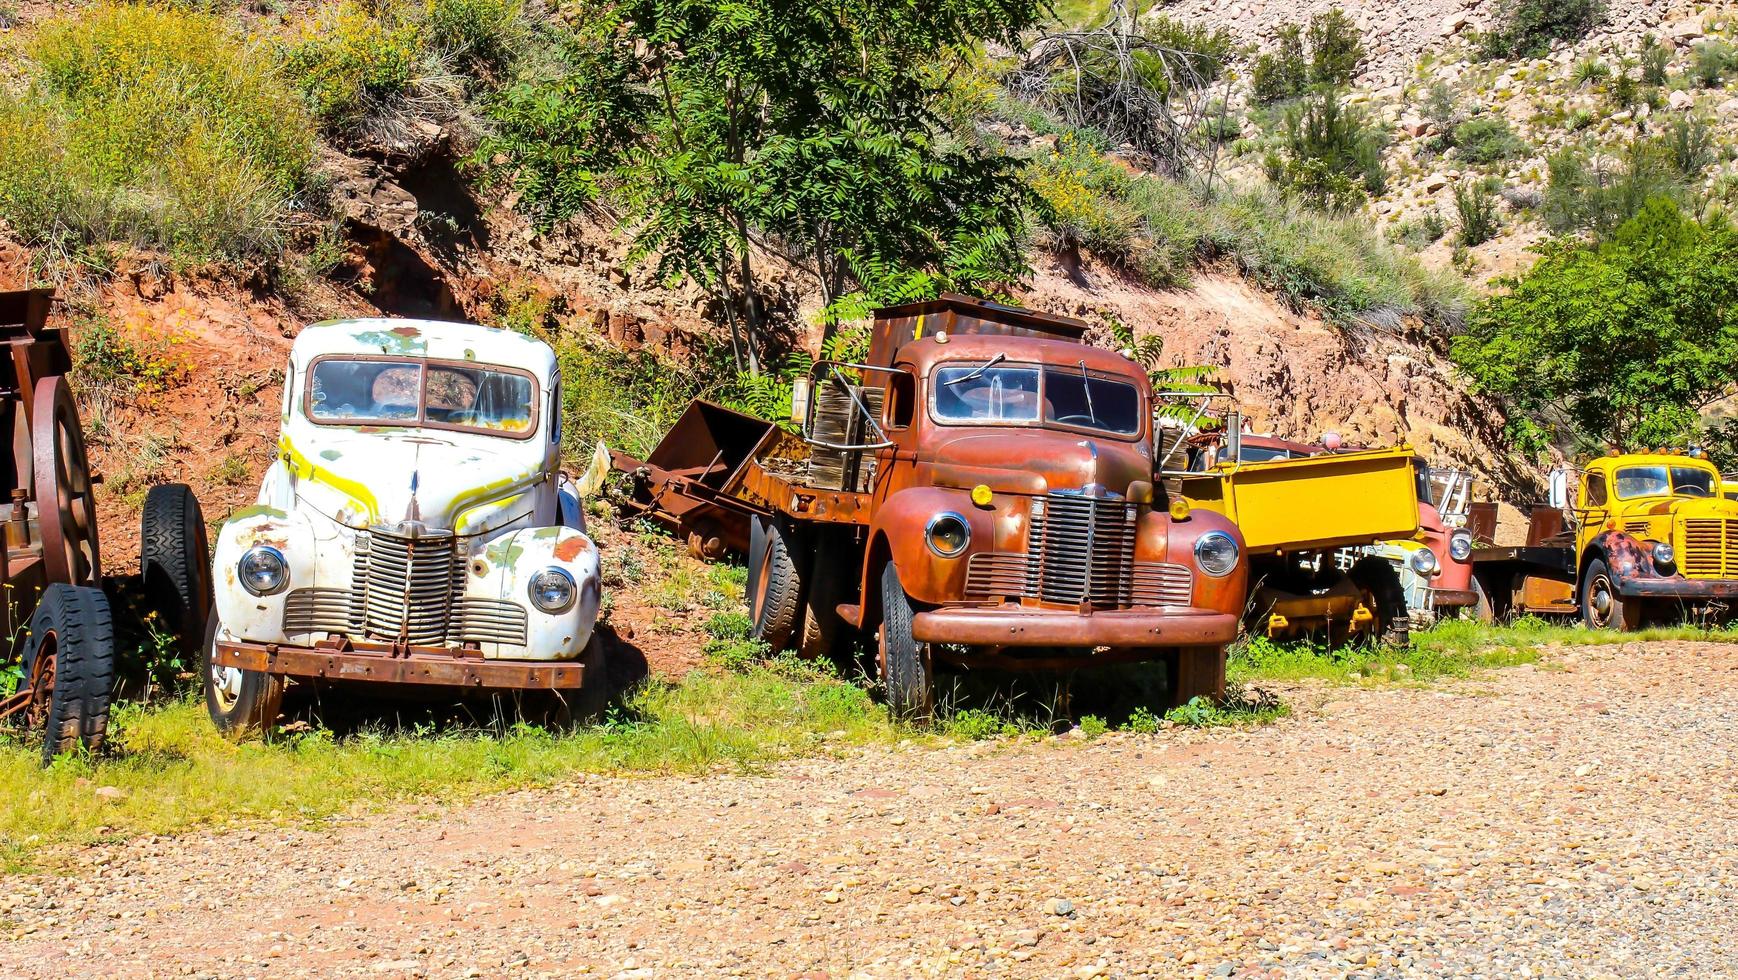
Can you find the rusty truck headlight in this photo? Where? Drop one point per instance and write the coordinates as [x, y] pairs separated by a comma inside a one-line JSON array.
[[1216, 553], [263, 570], [552, 590], [947, 534], [1460, 545], [1663, 553]]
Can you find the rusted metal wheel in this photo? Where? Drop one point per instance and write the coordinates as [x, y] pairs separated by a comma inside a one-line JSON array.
[[61, 481]]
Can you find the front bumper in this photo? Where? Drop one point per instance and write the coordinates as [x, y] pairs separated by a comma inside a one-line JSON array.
[[383, 665], [1453, 598], [1687, 589], [1022, 626]]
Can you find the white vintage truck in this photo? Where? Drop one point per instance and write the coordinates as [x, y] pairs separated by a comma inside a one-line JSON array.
[[414, 529]]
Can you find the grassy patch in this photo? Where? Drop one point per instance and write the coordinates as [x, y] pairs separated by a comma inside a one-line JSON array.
[[1453, 648], [176, 773], [151, 126]]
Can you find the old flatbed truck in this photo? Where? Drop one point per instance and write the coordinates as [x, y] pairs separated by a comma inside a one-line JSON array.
[[1637, 537], [980, 491]]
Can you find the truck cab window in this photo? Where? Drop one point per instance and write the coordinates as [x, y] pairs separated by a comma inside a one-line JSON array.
[[999, 394], [901, 399], [1596, 490]]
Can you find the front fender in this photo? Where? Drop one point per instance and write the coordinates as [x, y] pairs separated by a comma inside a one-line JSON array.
[[244, 615], [1626, 556], [1225, 594], [502, 569], [928, 577]]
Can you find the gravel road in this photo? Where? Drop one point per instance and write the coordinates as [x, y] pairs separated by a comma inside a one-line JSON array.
[[1573, 819]]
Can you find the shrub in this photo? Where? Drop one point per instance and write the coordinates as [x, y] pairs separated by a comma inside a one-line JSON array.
[[1440, 107], [1333, 157], [1689, 143], [1477, 210], [1710, 63], [350, 62], [480, 35], [154, 127], [1586, 193], [1624, 92], [1488, 139], [1281, 72], [1590, 70], [1206, 49], [1336, 48], [1526, 28], [1654, 59], [1421, 234], [1085, 201]]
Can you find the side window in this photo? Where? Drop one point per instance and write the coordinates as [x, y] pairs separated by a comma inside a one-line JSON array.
[[901, 400], [1595, 490], [289, 388], [555, 412]]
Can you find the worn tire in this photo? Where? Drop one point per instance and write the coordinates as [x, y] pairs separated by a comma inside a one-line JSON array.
[[822, 626], [175, 562], [907, 672], [1618, 615], [1380, 583], [242, 703], [775, 587], [73, 625]]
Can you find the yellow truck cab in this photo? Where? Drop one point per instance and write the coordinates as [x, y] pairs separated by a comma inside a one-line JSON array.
[[1644, 535]]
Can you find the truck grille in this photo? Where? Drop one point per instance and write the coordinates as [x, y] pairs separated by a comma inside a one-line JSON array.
[[408, 590], [1710, 548], [1081, 551]]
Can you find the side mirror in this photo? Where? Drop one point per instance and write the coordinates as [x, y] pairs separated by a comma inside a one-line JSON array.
[[1557, 494], [800, 400], [1234, 437]]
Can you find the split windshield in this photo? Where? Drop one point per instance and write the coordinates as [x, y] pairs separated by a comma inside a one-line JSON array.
[[387, 392], [1655, 481], [1021, 395]]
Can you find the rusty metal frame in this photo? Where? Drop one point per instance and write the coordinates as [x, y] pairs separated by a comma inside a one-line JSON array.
[[339, 660]]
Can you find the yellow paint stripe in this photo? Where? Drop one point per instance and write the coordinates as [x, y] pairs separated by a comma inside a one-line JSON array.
[[918, 335], [304, 469]]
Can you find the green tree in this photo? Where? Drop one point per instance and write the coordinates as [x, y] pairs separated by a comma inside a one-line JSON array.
[[812, 131], [1626, 342]]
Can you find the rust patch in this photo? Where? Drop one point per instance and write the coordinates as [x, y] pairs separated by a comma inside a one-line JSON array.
[[571, 548], [406, 331]]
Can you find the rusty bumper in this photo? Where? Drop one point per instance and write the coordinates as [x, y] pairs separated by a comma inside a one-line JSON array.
[[1006, 626], [1452, 598], [434, 667], [1687, 589]]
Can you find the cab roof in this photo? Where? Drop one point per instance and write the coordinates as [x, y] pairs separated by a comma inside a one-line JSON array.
[[1650, 459], [436, 340], [920, 355]]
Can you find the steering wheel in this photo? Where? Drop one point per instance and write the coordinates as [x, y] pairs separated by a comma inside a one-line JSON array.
[[1077, 419], [1694, 491]]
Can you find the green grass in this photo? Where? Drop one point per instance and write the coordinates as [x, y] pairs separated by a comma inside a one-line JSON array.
[[1451, 649], [178, 774]]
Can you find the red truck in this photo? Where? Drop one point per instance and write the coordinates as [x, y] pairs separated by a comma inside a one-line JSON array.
[[981, 491]]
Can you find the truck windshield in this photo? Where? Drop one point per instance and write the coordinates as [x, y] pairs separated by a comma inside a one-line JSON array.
[[395, 392], [1652, 481], [1024, 395]]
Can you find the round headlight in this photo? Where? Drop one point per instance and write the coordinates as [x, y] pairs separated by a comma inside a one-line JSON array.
[[1663, 554], [553, 590], [263, 570], [947, 534], [1460, 545], [1423, 561], [1216, 553]]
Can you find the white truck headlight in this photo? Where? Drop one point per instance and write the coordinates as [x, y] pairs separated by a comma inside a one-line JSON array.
[[263, 570], [1663, 553], [1216, 553], [1460, 545], [553, 590], [1423, 561]]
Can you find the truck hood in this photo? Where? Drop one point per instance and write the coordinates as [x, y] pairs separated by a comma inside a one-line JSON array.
[[1684, 507], [360, 479], [1062, 460]]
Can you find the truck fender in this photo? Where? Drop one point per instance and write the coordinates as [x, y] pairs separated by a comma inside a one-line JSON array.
[[1623, 554], [899, 525], [260, 618]]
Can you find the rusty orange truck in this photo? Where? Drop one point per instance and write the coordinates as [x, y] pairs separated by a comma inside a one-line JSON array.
[[979, 491]]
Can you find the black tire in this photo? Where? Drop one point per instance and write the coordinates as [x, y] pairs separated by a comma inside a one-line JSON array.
[[775, 587], [1618, 613], [1380, 583], [73, 627], [240, 702], [906, 668], [822, 626], [175, 562]]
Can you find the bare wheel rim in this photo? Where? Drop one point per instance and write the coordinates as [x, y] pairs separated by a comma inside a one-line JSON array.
[[42, 682], [61, 484], [1600, 600]]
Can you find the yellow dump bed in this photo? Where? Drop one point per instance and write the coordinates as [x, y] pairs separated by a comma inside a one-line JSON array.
[[1314, 503]]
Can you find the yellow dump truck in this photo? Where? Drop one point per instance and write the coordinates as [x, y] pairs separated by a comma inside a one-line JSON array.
[[1295, 512]]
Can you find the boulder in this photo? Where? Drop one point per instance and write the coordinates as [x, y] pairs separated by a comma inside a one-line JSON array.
[[1680, 100]]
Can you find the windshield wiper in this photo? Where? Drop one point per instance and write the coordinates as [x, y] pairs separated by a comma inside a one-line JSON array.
[[975, 375], [1086, 386]]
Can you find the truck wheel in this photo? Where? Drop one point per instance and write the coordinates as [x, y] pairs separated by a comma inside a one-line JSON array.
[[1385, 597], [821, 621], [1196, 672], [240, 702], [1601, 607], [69, 660], [176, 562], [906, 670], [774, 586]]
